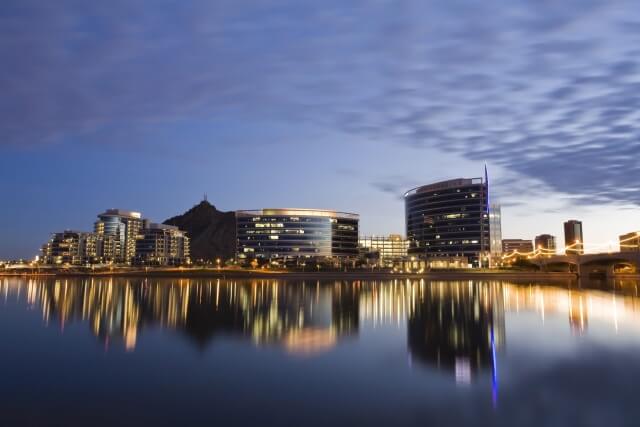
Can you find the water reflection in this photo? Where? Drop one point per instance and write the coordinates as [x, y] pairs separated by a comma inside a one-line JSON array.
[[458, 327]]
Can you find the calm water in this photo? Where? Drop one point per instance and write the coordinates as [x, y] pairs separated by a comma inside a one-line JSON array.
[[209, 352]]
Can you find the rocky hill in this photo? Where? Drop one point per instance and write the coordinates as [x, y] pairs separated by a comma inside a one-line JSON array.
[[212, 232]]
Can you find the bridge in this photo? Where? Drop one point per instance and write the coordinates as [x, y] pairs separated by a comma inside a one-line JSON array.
[[587, 263]]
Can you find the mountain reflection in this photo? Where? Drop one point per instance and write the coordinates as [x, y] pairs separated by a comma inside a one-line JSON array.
[[302, 317], [455, 326]]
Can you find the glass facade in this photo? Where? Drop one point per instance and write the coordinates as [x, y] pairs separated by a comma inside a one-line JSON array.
[[449, 219], [495, 233], [388, 248], [573, 239], [545, 244], [125, 226], [294, 233]]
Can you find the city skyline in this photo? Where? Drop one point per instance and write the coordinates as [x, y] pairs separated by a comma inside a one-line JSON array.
[[102, 113], [612, 244]]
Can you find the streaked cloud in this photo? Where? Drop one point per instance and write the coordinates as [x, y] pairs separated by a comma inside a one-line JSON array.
[[549, 90]]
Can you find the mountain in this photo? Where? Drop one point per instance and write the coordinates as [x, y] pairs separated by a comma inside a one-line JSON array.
[[212, 232]]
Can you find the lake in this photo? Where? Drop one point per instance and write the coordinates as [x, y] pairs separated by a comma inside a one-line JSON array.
[[169, 352]]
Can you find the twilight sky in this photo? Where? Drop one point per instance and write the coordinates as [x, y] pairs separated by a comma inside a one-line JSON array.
[[146, 105]]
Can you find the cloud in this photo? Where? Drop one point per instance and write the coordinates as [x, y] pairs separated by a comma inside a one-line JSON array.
[[548, 90], [394, 185]]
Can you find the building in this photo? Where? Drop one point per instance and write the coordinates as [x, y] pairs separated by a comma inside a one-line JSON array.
[[630, 242], [573, 238], [449, 219], [495, 234], [521, 246], [125, 226], [79, 248], [282, 234], [69, 247], [390, 249], [120, 237], [546, 244], [161, 244]]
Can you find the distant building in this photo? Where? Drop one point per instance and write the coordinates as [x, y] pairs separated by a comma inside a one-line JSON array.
[[573, 238], [79, 248], [546, 243], [119, 237], [521, 246], [630, 242], [495, 233], [449, 220], [125, 226], [281, 234], [161, 244], [68, 247], [390, 249]]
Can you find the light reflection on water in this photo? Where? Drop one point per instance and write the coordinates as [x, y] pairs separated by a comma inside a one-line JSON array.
[[459, 329]]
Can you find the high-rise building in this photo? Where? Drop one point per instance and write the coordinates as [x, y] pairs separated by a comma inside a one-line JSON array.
[[449, 219], [573, 238], [495, 233], [125, 226], [281, 234], [630, 242], [546, 244], [520, 246], [390, 248], [161, 244]]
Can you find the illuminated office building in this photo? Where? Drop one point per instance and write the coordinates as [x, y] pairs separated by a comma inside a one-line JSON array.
[[125, 226], [281, 234], [389, 249], [521, 246], [161, 244], [546, 243], [448, 220], [573, 239], [630, 242]]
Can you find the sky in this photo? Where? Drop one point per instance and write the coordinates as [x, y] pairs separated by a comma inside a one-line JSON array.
[[148, 105]]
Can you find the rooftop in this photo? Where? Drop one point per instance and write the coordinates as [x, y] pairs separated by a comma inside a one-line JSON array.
[[121, 212], [443, 185], [298, 212]]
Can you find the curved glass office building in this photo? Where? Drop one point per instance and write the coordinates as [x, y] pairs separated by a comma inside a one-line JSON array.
[[295, 233], [449, 219]]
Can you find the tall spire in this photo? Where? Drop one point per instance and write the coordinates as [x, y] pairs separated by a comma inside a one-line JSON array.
[[486, 182], [205, 197]]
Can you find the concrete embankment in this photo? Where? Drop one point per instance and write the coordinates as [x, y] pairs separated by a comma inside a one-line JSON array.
[[329, 275]]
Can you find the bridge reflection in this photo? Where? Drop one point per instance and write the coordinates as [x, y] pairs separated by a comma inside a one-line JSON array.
[[458, 327]]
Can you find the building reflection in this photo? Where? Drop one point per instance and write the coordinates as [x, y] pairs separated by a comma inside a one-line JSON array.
[[303, 317], [457, 326]]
